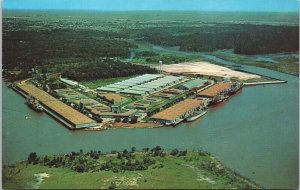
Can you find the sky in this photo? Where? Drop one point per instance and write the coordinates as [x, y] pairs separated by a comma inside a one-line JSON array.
[[128, 5]]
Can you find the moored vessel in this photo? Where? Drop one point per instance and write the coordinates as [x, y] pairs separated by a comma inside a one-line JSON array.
[[196, 115], [34, 104]]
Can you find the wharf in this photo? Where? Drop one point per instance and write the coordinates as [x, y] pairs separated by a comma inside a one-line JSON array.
[[57, 109], [262, 83]]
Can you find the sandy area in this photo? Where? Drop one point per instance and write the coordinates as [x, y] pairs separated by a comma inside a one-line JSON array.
[[39, 179], [205, 68]]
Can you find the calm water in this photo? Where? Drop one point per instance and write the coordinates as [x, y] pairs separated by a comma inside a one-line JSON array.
[[255, 133]]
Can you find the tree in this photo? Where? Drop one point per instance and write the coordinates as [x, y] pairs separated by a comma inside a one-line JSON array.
[[133, 149], [32, 158], [133, 120], [174, 152], [182, 153], [118, 119], [125, 120]]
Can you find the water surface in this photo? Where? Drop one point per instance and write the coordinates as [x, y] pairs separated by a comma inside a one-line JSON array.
[[255, 133]]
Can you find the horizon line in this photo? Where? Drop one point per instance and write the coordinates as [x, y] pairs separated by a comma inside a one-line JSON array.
[[149, 10]]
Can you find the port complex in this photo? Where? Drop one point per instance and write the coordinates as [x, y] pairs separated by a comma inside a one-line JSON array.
[[149, 99]]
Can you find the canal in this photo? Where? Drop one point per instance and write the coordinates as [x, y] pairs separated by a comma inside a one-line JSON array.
[[255, 133]]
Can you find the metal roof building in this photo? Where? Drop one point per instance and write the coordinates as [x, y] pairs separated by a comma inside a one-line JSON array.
[[108, 89], [194, 83], [134, 92]]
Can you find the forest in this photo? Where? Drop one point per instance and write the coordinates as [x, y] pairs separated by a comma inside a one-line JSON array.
[[80, 45], [106, 68], [243, 38]]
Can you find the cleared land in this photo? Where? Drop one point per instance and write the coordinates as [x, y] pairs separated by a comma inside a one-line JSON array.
[[205, 68]]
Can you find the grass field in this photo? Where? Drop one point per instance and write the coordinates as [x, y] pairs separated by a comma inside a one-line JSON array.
[[194, 170]]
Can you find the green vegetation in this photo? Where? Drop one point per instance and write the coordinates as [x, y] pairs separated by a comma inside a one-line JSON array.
[[150, 168], [82, 45], [243, 38], [107, 68], [286, 64]]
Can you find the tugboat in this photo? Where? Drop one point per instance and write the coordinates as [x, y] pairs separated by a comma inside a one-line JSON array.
[[34, 104]]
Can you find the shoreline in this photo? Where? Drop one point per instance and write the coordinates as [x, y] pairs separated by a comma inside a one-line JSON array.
[[210, 174]]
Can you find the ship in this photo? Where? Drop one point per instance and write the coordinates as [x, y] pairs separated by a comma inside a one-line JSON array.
[[235, 88], [34, 104], [218, 100], [196, 115]]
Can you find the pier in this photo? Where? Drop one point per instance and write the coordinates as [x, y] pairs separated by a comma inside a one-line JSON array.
[[262, 83], [65, 114]]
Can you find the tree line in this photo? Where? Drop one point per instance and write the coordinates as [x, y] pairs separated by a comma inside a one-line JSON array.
[[243, 38], [126, 160], [106, 68]]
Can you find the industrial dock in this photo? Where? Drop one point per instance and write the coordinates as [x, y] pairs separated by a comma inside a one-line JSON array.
[[149, 99], [64, 113]]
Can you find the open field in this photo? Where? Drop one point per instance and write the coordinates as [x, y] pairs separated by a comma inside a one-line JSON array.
[[205, 68], [196, 170]]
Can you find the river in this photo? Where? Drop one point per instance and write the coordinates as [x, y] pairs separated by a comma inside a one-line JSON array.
[[255, 133]]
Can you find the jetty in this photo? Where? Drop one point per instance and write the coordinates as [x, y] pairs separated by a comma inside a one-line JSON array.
[[70, 117], [262, 83]]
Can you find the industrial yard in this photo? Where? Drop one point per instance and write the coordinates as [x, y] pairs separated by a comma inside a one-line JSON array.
[[144, 101]]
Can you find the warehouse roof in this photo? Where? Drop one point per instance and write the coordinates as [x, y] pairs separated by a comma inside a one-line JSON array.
[[178, 109], [68, 113], [108, 89], [215, 89], [193, 83], [128, 91]]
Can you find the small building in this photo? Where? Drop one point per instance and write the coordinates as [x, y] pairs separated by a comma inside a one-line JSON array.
[[69, 82], [163, 95], [86, 102], [194, 83], [113, 98]]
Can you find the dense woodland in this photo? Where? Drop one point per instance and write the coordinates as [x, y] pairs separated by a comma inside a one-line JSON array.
[[107, 68], [244, 39], [78, 45]]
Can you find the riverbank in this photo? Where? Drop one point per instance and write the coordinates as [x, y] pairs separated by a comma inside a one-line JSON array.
[[151, 169]]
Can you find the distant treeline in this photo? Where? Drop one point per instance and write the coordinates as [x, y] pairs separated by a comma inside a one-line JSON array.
[[243, 38], [104, 69], [39, 47]]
